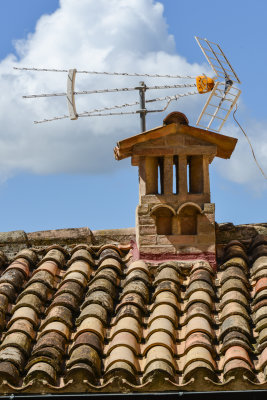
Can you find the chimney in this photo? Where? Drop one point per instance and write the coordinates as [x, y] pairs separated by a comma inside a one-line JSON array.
[[174, 217]]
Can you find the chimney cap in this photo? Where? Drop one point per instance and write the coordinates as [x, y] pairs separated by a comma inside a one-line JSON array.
[[176, 117]]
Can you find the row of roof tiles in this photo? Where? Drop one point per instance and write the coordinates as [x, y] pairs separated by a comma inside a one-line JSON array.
[[94, 319]]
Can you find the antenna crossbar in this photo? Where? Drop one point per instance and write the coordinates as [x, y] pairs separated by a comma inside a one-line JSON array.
[[109, 90], [97, 111], [107, 73]]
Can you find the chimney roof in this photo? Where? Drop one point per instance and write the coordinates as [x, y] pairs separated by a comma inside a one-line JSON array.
[[177, 123]]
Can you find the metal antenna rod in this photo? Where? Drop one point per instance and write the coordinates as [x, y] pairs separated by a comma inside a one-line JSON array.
[[143, 111]]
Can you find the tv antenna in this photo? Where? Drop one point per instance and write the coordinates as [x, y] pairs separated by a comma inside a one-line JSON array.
[[223, 95]]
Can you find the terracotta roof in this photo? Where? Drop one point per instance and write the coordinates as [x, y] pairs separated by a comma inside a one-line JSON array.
[[92, 319]]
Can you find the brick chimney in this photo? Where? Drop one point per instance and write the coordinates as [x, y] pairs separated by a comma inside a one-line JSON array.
[[175, 216]]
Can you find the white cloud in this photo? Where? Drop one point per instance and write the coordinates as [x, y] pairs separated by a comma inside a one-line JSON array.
[[242, 168], [107, 35]]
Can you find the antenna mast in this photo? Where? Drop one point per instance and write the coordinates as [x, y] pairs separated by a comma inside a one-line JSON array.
[[143, 110]]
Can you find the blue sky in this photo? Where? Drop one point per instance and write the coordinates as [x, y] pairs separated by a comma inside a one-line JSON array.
[[47, 180]]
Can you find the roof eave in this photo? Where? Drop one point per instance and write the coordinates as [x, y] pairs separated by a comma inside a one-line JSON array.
[[225, 144]]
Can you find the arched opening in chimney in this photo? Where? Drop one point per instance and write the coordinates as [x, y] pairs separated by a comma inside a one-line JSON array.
[[163, 219], [187, 219]]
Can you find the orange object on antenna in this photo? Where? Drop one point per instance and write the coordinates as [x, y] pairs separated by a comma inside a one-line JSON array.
[[204, 84]]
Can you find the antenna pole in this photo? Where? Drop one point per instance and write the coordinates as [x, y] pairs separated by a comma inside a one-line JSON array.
[[143, 110]]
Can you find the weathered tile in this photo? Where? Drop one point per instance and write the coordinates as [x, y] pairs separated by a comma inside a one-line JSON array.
[[3, 259], [41, 371], [261, 285], [261, 324], [134, 299], [76, 277], [234, 284], [201, 275], [43, 277], [13, 355], [81, 266], [137, 274], [8, 290], [58, 327], [98, 297], [80, 372], [199, 324], [233, 338], [49, 266], [165, 311], [120, 369], [104, 285], [19, 340], [124, 338], [45, 353], [159, 353], [159, 338], [21, 265], [29, 300], [263, 359], [159, 368], [199, 339], [128, 310], [24, 313], [60, 314], [128, 324], [71, 287], [138, 265], [138, 287], [202, 265], [109, 253], [168, 274], [199, 285], [237, 369], [52, 339], [199, 353], [199, 296], [38, 289], [194, 369], [55, 254], [237, 353], [90, 324], [3, 302], [234, 308], [106, 273], [23, 325], [122, 354], [235, 323], [81, 255], [93, 310], [262, 335], [259, 264], [9, 372], [13, 276], [67, 300], [235, 249], [235, 273], [111, 263], [166, 298], [167, 286], [234, 296], [85, 354], [28, 255], [90, 339], [198, 309]]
